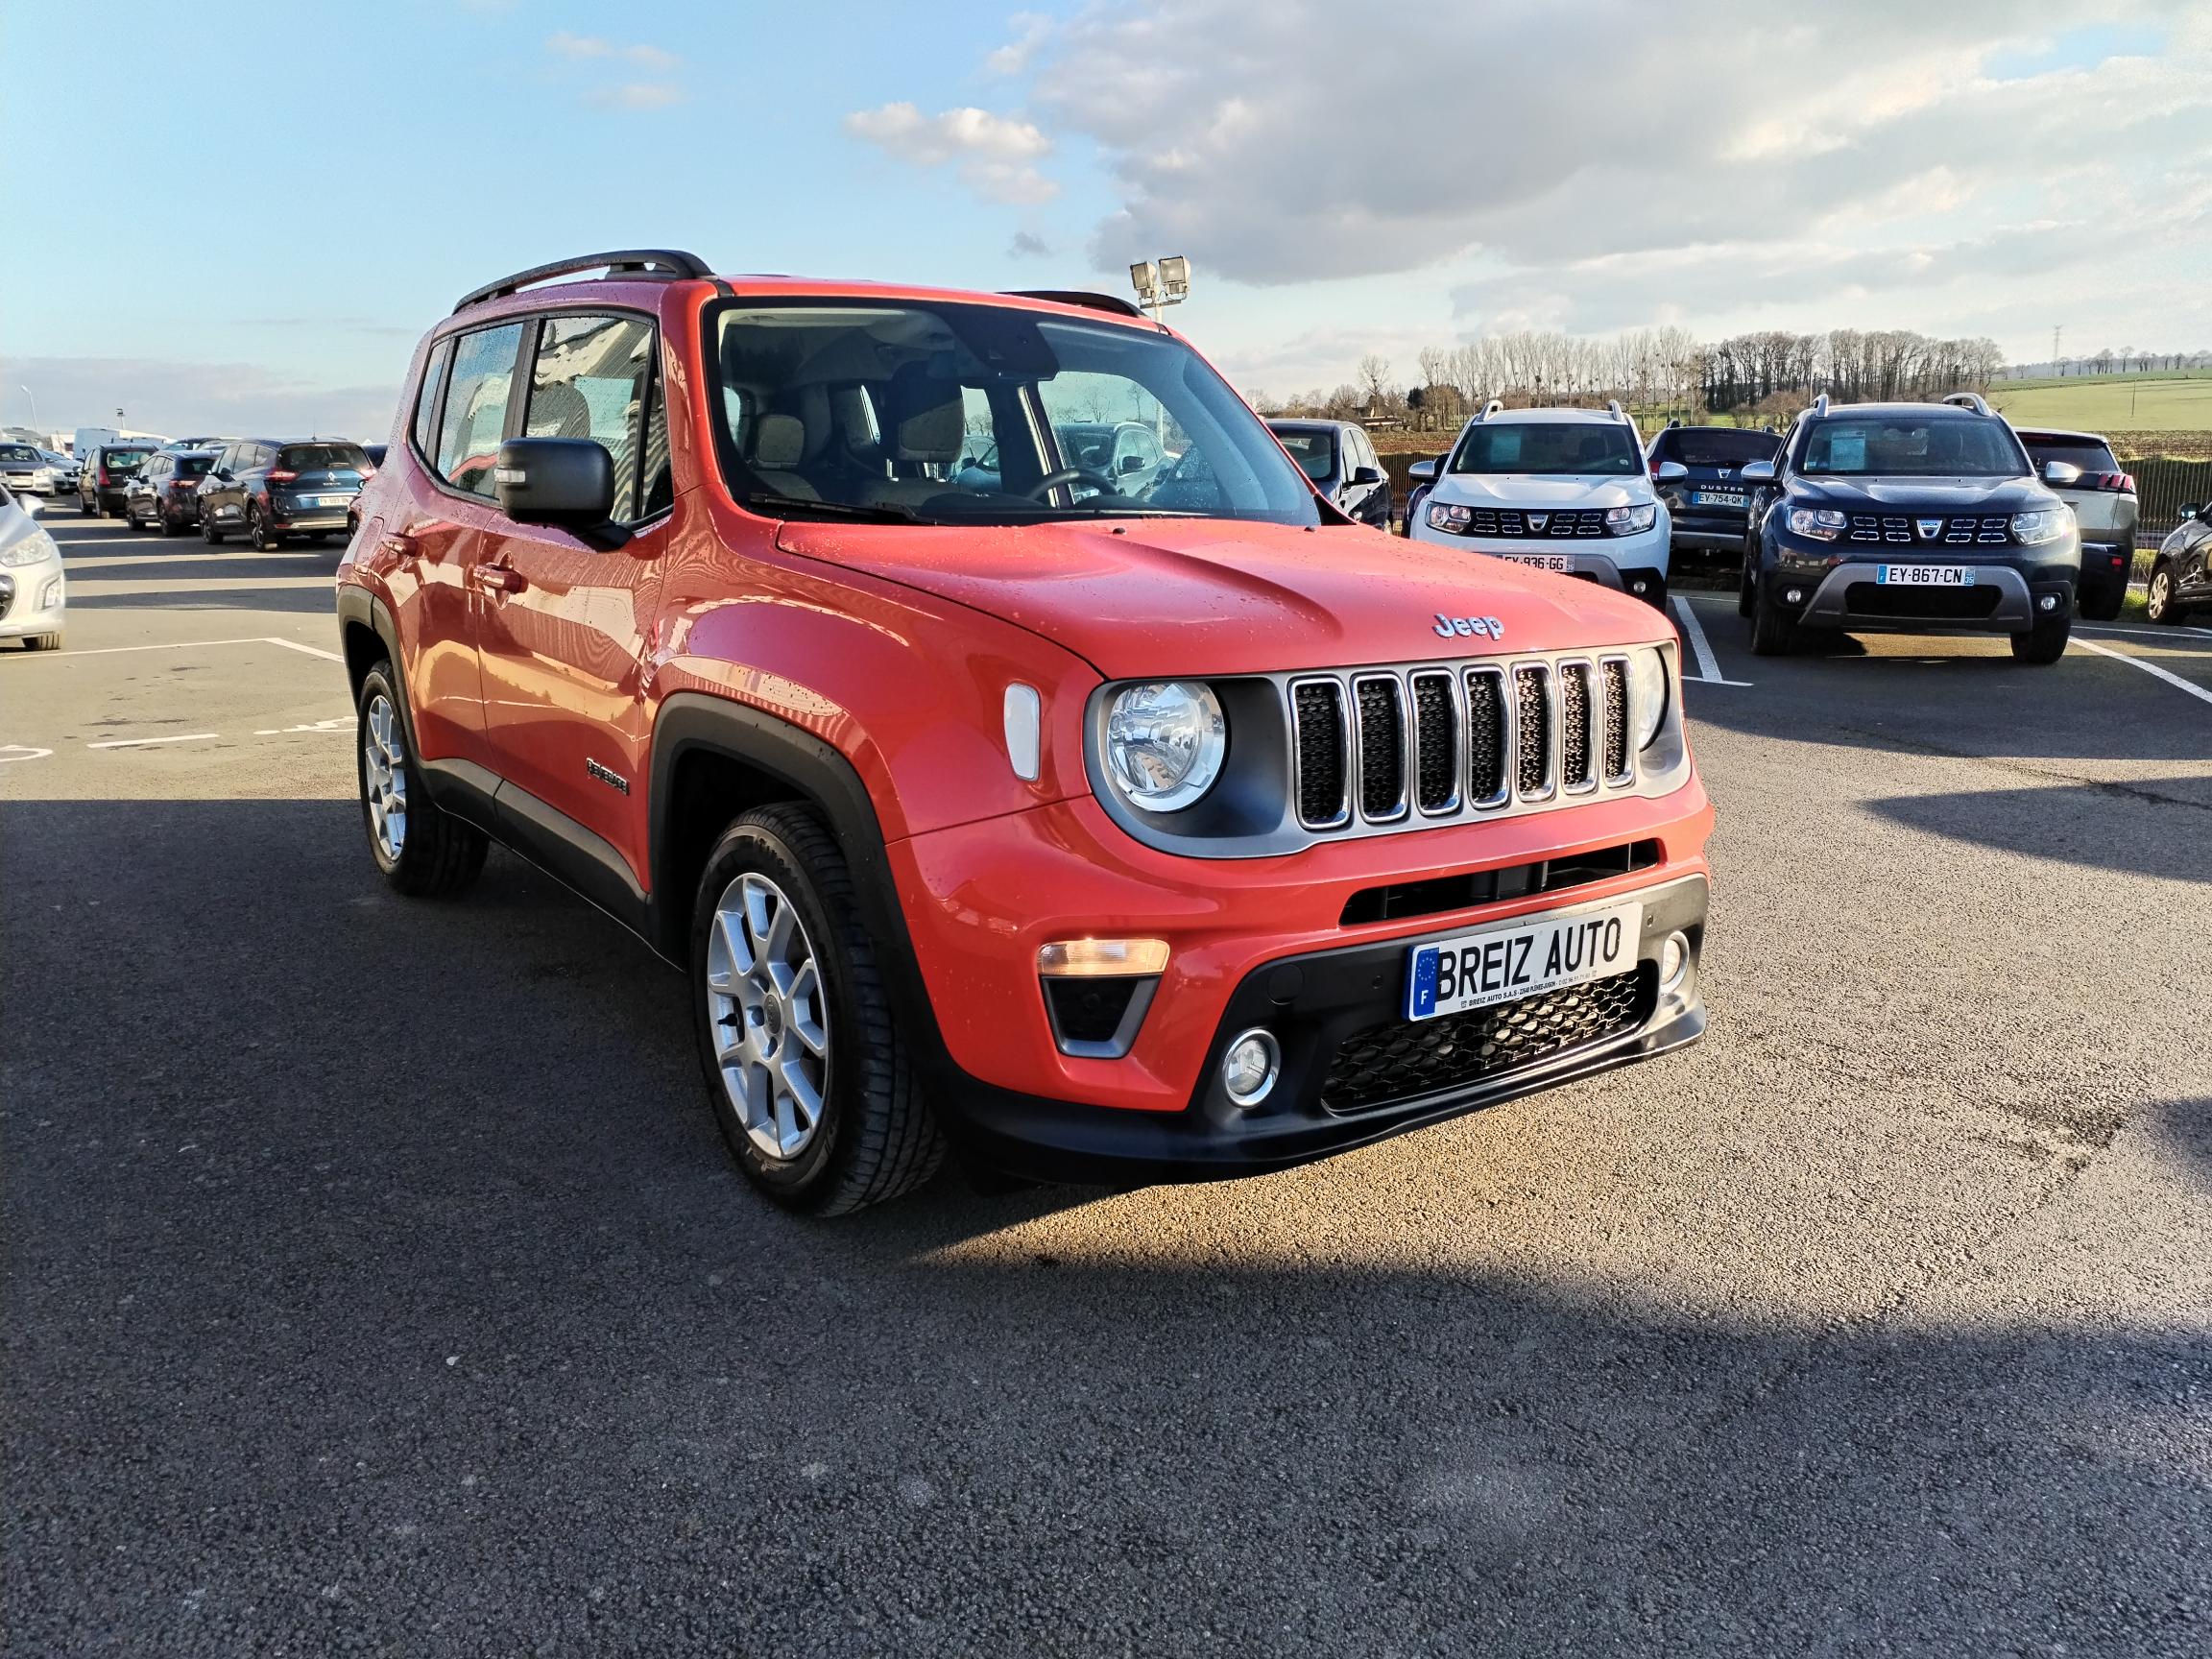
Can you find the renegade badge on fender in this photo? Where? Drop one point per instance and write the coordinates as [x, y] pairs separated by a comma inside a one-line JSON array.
[[1100, 823]]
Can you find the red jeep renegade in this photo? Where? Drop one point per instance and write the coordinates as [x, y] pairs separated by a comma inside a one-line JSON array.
[[972, 696]]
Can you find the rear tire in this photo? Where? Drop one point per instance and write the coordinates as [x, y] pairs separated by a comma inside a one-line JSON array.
[[207, 531], [2045, 641], [777, 907], [42, 643], [258, 532], [1746, 583], [1774, 630], [421, 851], [2160, 604], [170, 526]]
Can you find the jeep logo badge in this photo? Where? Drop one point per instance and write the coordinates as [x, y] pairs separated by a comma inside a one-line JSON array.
[[1929, 528], [1473, 627]]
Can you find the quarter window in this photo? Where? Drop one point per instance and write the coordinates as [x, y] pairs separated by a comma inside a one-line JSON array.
[[427, 396], [475, 417], [590, 380]]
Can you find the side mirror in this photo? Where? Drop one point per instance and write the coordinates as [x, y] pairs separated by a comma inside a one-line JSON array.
[[2192, 508], [30, 504], [1367, 477], [1422, 470], [565, 482], [1757, 473], [2060, 473], [1132, 462], [1670, 473]]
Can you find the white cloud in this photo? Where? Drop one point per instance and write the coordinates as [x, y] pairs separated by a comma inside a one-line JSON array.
[[1031, 30], [1028, 245], [583, 48], [637, 95], [1594, 163], [996, 155]]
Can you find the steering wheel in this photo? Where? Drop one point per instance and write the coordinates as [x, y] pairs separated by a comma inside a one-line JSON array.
[[1070, 475]]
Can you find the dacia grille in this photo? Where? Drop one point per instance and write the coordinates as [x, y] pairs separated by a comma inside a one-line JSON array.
[[1506, 525], [1380, 747], [1904, 530]]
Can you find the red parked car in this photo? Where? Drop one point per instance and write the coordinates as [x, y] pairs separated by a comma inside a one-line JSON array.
[[1090, 826]]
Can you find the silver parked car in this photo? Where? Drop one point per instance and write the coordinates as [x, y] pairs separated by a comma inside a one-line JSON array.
[[2103, 500], [33, 595], [28, 470]]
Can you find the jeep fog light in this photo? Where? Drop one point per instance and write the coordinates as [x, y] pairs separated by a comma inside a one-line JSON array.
[[1250, 1066], [1164, 741]]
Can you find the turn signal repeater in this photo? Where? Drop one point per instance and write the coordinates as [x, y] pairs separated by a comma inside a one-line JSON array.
[[1101, 958]]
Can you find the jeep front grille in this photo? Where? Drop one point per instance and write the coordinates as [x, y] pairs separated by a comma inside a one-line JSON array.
[[1378, 747]]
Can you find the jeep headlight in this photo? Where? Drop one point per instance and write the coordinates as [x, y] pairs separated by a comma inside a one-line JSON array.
[[1820, 523], [1164, 740], [1631, 520], [2046, 525], [1646, 695], [32, 550]]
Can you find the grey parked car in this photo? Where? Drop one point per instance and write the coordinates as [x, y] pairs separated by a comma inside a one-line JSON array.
[[2105, 505], [1340, 460]]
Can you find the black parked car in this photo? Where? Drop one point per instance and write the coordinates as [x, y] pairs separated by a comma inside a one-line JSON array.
[[165, 492], [2181, 569], [1909, 519], [274, 490], [1710, 508], [1341, 461], [107, 474]]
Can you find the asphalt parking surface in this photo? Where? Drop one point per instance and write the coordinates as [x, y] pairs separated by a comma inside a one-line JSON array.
[[377, 1280]]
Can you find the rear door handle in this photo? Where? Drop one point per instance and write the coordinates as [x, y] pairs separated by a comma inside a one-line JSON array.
[[498, 578]]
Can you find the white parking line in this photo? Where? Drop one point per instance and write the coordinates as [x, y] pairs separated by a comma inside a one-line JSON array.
[[2167, 634], [295, 645], [2150, 668], [180, 646], [143, 742], [1708, 665]]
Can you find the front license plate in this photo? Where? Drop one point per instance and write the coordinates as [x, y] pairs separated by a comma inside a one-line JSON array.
[[1504, 963], [1539, 561], [1925, 576], [1716, 498]]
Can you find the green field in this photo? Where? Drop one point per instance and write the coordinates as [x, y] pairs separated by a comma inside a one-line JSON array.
[[2110, 403]]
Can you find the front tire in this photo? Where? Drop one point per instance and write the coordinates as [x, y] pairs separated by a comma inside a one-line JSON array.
[[2044, 641], [2160, 604], [207, 531], [810, 1080], [258, 532], [1774, 630], [1748, 582], [421, 851]]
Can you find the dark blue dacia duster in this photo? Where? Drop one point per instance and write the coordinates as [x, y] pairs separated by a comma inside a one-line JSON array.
[[1908, 517]]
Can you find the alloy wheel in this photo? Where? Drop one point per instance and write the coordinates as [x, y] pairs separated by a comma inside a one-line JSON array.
[[384, 776], [770, 1020]]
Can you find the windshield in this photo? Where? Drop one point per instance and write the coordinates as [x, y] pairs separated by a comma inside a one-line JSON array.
[[1311, 449], [1716, 446], [321, 458], [1910, 446], [1605, 447], [973, 414], [20, 454]]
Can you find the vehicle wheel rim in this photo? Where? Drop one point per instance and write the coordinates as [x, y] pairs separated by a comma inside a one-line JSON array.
[[771, 1023], [384, 776], [2156, 598]]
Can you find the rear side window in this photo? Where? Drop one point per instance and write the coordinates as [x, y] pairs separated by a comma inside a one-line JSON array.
[[1716, 446], [590, 381], [194, 466], [2086, 453], [475, 417], [427, 396]]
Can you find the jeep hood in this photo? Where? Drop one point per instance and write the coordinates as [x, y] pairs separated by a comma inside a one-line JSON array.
[[1519, 492], [1140, 597]]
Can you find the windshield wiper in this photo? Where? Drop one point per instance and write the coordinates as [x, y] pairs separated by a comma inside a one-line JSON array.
[[794, 507]]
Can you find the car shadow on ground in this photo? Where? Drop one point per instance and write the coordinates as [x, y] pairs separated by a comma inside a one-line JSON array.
[[2097, 825], [376, 1271]]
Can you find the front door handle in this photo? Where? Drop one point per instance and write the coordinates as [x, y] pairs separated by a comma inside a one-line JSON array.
[[498, 578], [401, 546]]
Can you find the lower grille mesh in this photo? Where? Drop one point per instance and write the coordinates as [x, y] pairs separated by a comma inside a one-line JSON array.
[[1407, 1059]]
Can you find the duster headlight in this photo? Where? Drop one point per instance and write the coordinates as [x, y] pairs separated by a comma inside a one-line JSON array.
[[1164, 740]]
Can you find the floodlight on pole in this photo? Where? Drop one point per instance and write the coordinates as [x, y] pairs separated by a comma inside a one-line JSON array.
[[1160, 283]]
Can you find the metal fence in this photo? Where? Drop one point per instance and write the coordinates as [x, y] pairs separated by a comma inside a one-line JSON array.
[[2163, 485]]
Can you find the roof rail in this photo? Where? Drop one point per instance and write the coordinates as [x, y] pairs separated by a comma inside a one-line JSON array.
[[1820, 405], [666, 263], [1079, 297], [1613, 408], [1496, 406], [1973, 401]]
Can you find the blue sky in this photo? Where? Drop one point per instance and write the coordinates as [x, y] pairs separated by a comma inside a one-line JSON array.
[[288, 204]]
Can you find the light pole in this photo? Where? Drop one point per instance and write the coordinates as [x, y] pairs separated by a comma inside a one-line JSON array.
[[28, 393], [1160, 284]]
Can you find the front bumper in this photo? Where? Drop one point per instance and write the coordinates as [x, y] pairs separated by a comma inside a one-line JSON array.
[[1252, 942], [1840, 587], [33, 599]]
